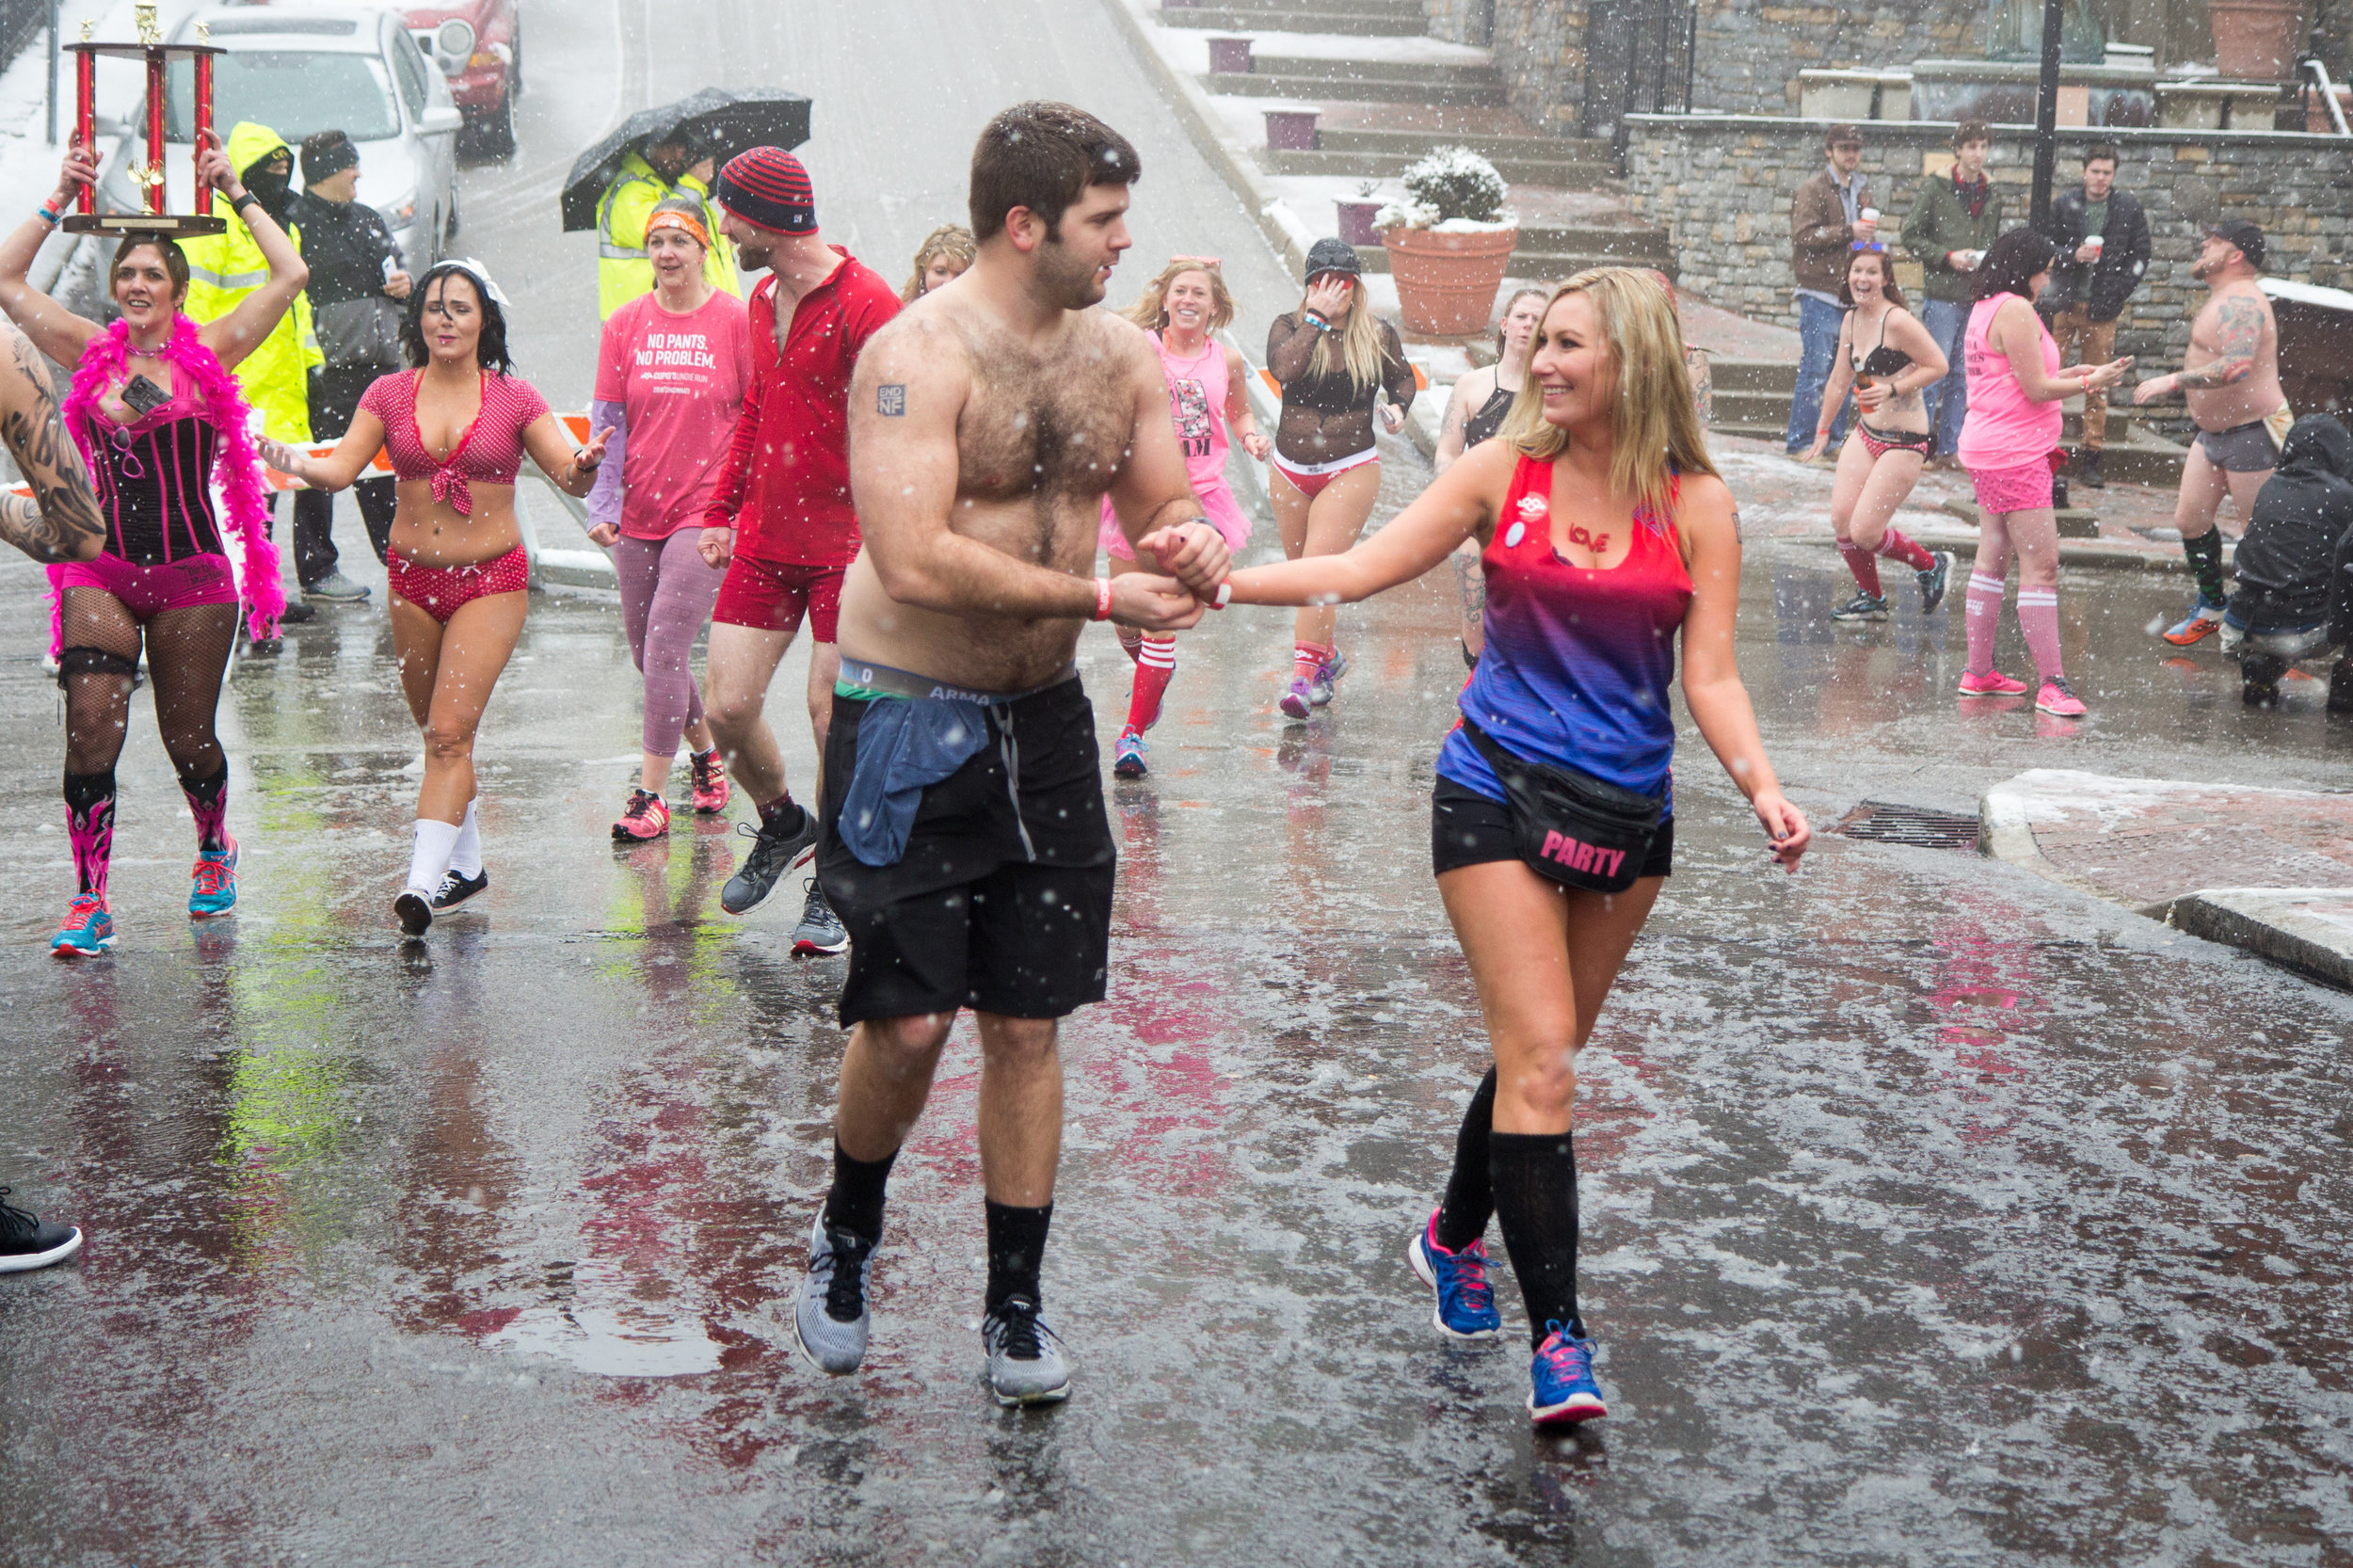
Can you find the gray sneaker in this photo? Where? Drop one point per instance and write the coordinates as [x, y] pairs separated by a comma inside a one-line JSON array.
[[1025, 1361], [821, 930], [838, 1271], [336, 589]]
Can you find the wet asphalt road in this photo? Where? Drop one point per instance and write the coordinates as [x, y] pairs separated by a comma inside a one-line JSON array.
[[1933, 1213]]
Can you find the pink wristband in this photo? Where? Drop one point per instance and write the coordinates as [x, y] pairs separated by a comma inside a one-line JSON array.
[[1102, 599]]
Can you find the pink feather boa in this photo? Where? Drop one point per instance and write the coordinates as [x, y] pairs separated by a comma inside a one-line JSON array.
[[237, 467]]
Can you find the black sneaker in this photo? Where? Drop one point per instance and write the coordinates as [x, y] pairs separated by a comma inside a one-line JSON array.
[[27, 1241], [1861, 606], [821, 930], [1934, 581], [296, 613], [413, 911], [773, 854], [2086, 466], [455, 890]]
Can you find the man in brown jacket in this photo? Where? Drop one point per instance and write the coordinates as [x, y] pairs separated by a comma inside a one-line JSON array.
[[1826, 220]]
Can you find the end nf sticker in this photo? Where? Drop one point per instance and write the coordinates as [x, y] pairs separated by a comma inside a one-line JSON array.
[[891, 401]]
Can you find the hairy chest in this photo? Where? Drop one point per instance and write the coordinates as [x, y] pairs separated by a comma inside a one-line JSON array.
[[1044, 434]]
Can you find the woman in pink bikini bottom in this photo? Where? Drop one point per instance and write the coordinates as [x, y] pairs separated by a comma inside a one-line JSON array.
[[456, 427]]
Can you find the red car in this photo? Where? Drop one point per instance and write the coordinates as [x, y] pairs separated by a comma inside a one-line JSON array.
[[478, 45]]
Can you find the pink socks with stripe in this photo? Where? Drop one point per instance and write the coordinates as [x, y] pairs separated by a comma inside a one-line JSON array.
[[1156, 664], [2038, 618], [1983, 617]]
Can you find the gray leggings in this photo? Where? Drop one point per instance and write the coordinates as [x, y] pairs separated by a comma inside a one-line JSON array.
[[667, 594]]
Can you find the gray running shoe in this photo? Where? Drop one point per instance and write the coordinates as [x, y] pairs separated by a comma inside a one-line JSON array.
[[1320, 689], [1025, 1361], [1861, 606], [838, 1270], [821, 930], [772, 856], [336, 589]]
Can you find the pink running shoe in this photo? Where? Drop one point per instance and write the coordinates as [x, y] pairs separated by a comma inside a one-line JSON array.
[[646, 818], [711, 791], [2056, 698], [1992, 683]]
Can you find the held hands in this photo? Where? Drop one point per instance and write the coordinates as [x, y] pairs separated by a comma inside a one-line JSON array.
[[603, 534], [1256, 446], [1154, 603], [1785, 826], [1194, 554], [716, 547]]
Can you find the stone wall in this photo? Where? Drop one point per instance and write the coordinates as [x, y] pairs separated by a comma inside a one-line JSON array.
[[1540, 52], [1722, 185], [1468, 22]]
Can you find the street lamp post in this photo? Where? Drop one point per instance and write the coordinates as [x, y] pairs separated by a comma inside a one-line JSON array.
[[2046, 112]]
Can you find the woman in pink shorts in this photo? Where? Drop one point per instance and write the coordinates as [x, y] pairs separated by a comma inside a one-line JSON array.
[[2007, 443], [456, 427], [160, 421], [1208, 397]]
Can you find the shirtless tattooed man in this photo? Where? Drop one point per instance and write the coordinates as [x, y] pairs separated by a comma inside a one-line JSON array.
[[2231, 379], [966, 846]]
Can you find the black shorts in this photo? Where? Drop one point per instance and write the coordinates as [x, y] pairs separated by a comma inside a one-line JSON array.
[[1468, 829], [971, 916]]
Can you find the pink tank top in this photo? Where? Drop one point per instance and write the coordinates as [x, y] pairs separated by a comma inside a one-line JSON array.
[[491, 451], [2005, 428]]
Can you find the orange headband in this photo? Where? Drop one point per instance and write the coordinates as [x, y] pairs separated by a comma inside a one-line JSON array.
[[678, 220]]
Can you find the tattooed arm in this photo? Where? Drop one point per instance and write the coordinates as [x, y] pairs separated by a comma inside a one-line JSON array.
[[2238, 338], [61, 522]]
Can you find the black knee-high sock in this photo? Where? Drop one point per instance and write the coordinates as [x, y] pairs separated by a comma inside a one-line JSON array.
[[1469, 1192], [856, 1201], [2205, 564], [1017, 1241], [1535, 1188]]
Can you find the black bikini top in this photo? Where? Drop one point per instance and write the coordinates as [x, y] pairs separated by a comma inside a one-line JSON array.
[[1885, 362]]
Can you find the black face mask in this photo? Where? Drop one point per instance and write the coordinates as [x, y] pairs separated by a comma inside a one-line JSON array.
[[269, 189]]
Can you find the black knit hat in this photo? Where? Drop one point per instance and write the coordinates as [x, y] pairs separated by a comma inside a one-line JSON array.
[[767, 185], [325, 155], [1334, 256], [2238, 232]]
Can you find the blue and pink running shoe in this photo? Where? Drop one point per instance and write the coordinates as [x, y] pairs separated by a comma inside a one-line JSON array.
[[1466, 1303], [216, 888], [89, 929], [1562, 1372]]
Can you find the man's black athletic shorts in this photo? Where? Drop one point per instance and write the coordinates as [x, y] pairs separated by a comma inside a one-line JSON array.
[[1001, 901]]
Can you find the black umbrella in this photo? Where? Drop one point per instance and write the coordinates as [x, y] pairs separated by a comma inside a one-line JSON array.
[[722, 120]]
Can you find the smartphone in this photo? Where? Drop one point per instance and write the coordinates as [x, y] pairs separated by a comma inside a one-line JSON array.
[[391, 266], [143, 397]]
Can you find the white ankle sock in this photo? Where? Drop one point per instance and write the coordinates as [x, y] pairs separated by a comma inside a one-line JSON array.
[[464, 857], [429, 861]]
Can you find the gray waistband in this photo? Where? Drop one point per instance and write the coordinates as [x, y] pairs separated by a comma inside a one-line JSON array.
[[899, 682]]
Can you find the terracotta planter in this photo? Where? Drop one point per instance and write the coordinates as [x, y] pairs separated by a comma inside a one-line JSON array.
[[1356, 220], [2258, 40], [1447, 282]]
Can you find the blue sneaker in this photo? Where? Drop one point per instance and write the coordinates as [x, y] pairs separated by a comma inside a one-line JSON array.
[[1564, 1392], [89, 929], [1466, 1303], [1128, 756], [2204, 620], [216, 889]]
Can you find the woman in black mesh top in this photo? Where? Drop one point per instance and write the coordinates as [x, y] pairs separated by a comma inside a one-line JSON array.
[[1333, 359]]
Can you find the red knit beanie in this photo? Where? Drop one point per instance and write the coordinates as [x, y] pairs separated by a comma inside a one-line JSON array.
[[767, 185]]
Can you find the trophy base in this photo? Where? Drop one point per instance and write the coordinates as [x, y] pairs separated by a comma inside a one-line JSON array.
[[178, 226]]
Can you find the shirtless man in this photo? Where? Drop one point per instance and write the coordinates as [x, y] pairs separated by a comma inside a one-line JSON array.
[[966, 846], [2231, 379]]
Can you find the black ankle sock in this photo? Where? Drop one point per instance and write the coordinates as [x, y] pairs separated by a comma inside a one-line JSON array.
[[2205, 564], [781, 815], [1016, 1241], [855, 1203], [1469, 1194], [1535, 1195]]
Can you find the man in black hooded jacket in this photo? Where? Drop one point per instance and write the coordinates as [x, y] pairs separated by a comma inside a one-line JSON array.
[[2292, 596]]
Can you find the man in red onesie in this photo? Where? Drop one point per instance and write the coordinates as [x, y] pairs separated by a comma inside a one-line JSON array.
[[780, 520]]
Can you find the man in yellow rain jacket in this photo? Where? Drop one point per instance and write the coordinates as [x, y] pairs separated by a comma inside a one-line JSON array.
[[651, 174], [223, 268]]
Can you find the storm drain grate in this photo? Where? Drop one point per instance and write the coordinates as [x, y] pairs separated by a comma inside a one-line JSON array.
[[1882, 822]]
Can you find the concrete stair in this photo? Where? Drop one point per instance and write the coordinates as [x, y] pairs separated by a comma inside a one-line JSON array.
[[1315, 80], [1354, 17], [1568, 163], [1556, 252]]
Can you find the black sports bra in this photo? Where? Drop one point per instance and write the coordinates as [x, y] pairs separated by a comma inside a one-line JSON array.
[[1883, 362], [1489, 419]]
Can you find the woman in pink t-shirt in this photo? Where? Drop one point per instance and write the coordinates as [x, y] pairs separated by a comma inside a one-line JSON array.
[[2007, 443], [670, 379]]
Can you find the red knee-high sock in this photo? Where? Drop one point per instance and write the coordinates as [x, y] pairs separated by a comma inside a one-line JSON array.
[[1308, 660], [1896, 548], [1155, 662], [2038, 618], [1863, 565]]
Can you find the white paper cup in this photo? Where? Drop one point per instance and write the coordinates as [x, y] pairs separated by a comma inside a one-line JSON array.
[[2096, 242], [1870, 214]]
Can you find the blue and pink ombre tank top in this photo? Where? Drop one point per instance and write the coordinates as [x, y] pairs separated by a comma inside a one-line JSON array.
[[1577, 660]]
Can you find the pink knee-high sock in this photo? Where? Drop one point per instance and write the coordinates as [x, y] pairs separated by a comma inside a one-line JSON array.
[[1156, 664], [208, 803], [1984, 617], [2038, 618], [90, 828], [1896, 548], [1866, 569]]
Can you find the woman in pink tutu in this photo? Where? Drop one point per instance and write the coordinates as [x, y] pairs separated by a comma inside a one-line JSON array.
[[2008, 444]]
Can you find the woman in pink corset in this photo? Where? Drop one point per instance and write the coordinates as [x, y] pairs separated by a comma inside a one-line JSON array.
[[1208, 397], [2008, 444]]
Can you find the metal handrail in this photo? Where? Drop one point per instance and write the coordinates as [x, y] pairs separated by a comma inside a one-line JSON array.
[[2319, 73]]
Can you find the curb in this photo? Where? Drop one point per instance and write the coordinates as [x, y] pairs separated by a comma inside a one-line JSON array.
[[2006, 833], [2075, 553], [2264, 921]]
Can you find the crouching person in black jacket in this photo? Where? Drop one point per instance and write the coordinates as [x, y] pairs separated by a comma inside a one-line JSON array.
[[2103, 240], [356, 282], [2292, 596]]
